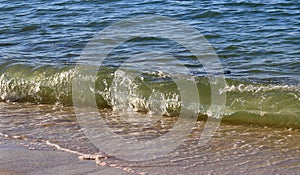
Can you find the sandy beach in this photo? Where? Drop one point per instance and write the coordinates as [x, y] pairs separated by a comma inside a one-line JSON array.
[[233, 150], [16, 160], [48, 140]]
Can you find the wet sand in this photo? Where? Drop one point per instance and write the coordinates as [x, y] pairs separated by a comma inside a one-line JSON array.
[[229, 152], [234, 149], [16, 160]]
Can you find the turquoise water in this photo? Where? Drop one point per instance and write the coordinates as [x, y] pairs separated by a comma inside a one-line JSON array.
[[257, 43]]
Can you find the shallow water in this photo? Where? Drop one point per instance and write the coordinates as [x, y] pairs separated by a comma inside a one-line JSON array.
[[232, 149]]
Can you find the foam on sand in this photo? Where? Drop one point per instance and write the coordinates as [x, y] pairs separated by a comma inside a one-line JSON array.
[[18, 160]]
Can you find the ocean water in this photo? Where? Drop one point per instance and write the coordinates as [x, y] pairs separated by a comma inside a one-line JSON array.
[[257, 43]]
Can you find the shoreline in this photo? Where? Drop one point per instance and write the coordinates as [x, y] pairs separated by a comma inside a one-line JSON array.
[[228, 152], [47, 140], [16, 160]]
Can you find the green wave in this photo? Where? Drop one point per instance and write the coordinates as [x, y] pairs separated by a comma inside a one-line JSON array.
[[152, 92]]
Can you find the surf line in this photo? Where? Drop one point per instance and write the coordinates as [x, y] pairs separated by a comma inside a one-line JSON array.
[[97, 158]]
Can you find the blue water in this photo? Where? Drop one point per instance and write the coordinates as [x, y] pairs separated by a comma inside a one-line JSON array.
[[253, 39], [257, 42]]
